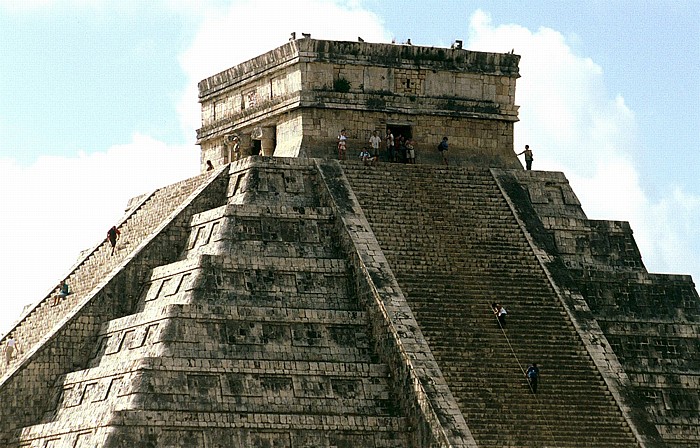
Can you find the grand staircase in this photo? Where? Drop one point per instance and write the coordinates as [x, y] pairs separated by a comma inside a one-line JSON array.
[[455, 247]]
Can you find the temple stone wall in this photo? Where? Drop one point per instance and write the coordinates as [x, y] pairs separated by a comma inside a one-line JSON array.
[[482, 141], [467, 96]]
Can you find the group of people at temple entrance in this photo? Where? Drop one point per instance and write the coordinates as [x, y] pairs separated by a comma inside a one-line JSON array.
[[401, 149], [397, 148], [533, 372]]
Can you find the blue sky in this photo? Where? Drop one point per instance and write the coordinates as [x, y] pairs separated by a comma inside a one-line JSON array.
[[98, 104]]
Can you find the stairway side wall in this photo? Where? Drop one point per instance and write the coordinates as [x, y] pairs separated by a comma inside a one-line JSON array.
[[421, 388], [26, 390], [144, 216], [644, 326]]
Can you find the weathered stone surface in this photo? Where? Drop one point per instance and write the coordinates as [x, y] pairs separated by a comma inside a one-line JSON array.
[[298, 302], [641, 328], [306, 91]]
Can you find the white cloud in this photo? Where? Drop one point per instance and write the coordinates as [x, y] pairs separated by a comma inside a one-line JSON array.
[[61, 206], [58, 206], [574, 125], [43, 5]]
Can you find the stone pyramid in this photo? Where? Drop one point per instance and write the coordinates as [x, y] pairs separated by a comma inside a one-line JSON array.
[[311, 303], [298, 301]]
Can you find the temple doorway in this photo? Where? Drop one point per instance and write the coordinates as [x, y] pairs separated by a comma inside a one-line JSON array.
[[256, 150], [403, 130]]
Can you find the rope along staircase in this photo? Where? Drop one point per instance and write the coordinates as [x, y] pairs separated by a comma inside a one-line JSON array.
[[455, 247]]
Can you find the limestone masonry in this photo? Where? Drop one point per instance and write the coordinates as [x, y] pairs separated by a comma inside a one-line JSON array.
[[287, 299], [294, 100]]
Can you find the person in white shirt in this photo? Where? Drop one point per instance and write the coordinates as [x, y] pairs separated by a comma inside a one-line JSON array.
[[500, 313], [375, 141], [10, 349], [342, 144], [389, 142]]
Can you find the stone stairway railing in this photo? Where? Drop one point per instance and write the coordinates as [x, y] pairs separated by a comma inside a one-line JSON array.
[[142, 218], [455, 247], [259, 313], [418, 380]]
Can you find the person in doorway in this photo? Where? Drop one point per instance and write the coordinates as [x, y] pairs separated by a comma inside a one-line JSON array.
[[375, 142], [528, 157], [113, 236], [443, 147], [342, 144], [389, 143], [533, 374], [500, 314], [401, 153], [63, 292], [210, 167]]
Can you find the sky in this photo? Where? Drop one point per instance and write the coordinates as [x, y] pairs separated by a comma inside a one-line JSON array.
[[98, 103]]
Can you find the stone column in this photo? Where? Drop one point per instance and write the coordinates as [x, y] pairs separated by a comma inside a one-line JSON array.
[[246, 145]]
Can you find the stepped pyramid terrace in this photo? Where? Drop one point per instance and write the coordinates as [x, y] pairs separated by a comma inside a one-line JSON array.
[[288, 299]]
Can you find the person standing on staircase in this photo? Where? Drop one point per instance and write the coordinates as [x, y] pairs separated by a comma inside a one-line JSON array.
[[410, 151], [10, 348], [375, 141], [533, 374], [443, 147], [500, 314], [528, 157], [113, 236], [342, 144], [389, 142]]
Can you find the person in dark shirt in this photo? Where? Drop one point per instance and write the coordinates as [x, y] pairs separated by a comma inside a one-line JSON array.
[[533, 374], [113, 236], [443, 147], [528, 157]]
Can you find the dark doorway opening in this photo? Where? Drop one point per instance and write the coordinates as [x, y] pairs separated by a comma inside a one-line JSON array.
[[405, 131], [401, 133], [257, 148]]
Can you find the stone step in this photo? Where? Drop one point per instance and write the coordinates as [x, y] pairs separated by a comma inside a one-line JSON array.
[[241, 429], [233, 386], [282, 421], [475, 253], [267, 249], [222, 230], [341, 368]]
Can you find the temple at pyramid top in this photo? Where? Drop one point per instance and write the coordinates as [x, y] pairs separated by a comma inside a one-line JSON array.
[[293, 101]]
